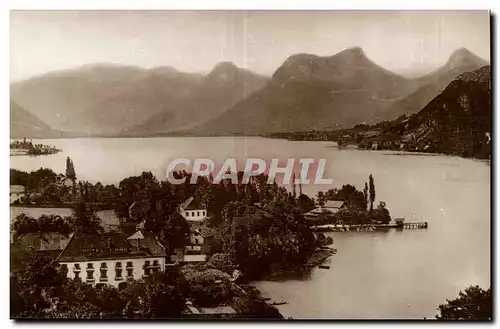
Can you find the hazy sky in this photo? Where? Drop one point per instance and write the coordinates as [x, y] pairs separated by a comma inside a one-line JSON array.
[[195, 41]]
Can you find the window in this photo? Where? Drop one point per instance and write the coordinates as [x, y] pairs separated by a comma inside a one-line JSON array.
[[146, 268], [129, 264], [104, 273], [77, 275], [77, 267], [118, 264], [156, 267], [130, 273], [197, 213], [104, 265], [90, 271], [64, 269], [118, 273]]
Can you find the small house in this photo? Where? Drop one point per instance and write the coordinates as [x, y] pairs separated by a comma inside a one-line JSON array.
[[193, 210], [399, 221], [329, 208], [17, 192], [200, 242]]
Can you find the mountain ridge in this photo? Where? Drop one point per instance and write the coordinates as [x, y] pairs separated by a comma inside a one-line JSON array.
[[306, 92]]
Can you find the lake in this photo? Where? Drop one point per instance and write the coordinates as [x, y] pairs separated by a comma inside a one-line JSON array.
[[374, 275]]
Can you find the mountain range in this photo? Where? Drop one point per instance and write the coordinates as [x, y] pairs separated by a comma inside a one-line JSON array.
[[306, 92]]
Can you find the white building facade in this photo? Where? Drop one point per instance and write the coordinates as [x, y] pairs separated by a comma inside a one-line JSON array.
[[115, 272], [112, 259]]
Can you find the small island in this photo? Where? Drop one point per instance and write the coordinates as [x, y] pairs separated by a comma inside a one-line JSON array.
[[25, 147]]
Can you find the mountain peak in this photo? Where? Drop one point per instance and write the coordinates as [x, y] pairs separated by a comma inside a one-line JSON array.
[[353, 51], [224, 71], [164, 70], [463, 56], [225, 67]]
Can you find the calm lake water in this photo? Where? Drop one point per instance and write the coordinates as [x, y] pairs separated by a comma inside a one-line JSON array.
[[374, 275]]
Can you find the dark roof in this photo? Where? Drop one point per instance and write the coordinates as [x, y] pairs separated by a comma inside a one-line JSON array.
[[206, 232], [151, 242], [108, 246], [334, 204], [46, 242], [17, 189], [192, 203], [218, 310]]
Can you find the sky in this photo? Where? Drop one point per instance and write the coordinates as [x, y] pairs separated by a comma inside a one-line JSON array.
[[194, 41]]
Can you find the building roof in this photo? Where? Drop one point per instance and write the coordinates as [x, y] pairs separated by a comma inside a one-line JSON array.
[[109, 245], [192, 203], [218, 310], [46, 242], [334, 204], [136, 235], [206, 232], [17, 189]]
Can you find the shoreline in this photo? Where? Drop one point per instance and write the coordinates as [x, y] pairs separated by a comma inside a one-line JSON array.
[[352, 146]]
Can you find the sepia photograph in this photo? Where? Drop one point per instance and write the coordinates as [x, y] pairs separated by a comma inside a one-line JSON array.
[[250, 165]]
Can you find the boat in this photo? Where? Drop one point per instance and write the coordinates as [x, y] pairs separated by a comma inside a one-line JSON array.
[[326, 267]]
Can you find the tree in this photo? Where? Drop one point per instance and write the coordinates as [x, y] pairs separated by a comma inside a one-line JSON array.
[[38, 284], [175, 231], [85, 220], [349, 194], [159, 296], [70, 169], [305, 203], [472, 304], [381, 214], [365, 194], [44, 224], [372, 192], [321, 197]]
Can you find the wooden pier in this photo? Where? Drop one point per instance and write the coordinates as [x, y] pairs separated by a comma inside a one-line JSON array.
[[415, 225], [370, 227]]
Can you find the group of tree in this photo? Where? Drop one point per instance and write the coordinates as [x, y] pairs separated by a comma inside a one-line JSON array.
[[260, 239], [41, 290], [83, 220], [473, 303], [359, 205], [145, 199], [45, 187], [33, 149]]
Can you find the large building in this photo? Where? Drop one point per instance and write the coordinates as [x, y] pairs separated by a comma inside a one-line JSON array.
[[112, 258]]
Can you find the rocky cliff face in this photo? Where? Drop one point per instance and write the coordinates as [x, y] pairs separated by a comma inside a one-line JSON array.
[[458, 121]]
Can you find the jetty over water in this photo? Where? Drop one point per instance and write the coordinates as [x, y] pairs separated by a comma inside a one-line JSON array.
[[399, 225], [415, 225]]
